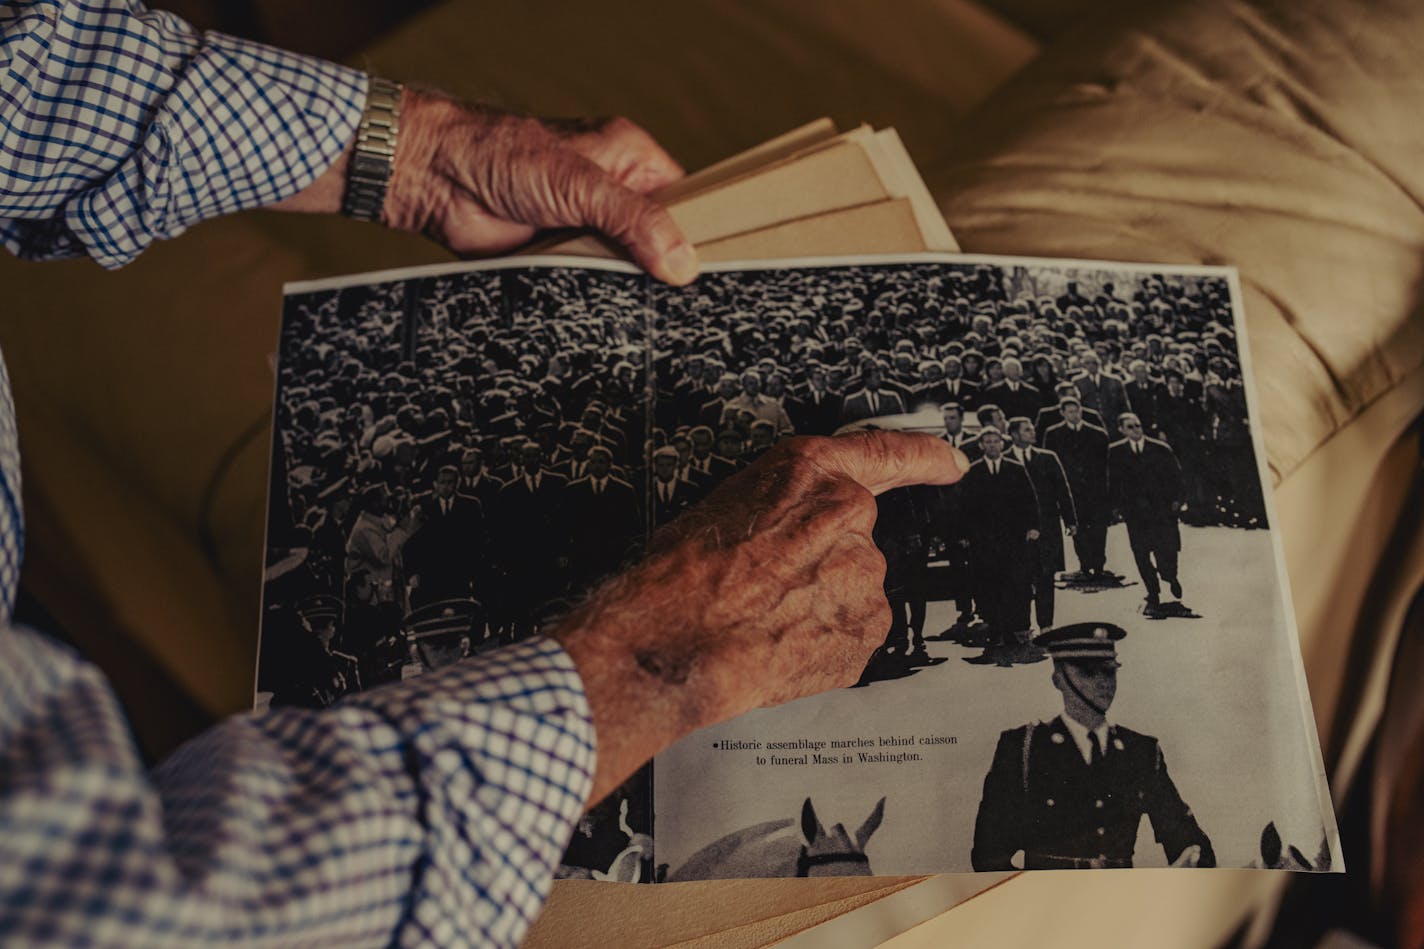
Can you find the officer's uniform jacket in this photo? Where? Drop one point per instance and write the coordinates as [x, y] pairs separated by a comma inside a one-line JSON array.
[[1041, 797]]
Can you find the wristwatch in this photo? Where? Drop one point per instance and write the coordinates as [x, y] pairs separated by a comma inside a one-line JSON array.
[[375, 151]]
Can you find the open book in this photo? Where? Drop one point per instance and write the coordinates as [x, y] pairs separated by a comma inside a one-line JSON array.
[[1093, 661]]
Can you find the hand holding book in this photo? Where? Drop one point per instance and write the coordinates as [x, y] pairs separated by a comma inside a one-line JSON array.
[[481, 180]]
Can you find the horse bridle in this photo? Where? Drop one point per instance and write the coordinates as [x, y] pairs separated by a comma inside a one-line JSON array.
[[805, 860]]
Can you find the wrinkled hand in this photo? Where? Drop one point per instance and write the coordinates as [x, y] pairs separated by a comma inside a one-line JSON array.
[[481, 180], [771, 589]]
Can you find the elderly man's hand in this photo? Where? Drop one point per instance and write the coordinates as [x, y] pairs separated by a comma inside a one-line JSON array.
[[769, 590], [482, 180]]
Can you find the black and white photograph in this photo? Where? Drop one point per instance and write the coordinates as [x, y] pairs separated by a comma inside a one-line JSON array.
[[1080, 626]]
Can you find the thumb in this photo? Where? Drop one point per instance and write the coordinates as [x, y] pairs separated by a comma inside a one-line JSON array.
[[637, 222]]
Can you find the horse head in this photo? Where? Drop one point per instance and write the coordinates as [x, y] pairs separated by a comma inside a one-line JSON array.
[[835, 853], [1276, 855], [780, 848]]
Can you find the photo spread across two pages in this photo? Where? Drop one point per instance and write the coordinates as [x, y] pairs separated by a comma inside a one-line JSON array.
[[1092, 661]]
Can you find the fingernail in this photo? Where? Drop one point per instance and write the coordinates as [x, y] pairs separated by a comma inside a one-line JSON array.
[[961, 460], [681, 264]]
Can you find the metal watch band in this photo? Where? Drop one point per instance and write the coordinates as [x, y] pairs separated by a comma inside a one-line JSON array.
[[375, 151]]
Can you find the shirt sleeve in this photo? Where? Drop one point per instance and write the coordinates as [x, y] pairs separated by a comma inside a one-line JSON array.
[[120, 126], [429, 812]]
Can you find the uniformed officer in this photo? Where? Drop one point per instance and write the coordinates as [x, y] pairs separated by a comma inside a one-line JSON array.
[[1070, 793]]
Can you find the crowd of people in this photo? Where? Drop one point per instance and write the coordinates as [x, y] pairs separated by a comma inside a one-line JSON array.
[[462, 456]]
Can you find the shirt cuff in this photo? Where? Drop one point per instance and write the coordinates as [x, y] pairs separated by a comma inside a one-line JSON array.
[[245, 125], [504, 746]]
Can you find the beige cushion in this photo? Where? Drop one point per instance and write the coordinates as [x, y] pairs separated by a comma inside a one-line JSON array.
[[1280, 138]]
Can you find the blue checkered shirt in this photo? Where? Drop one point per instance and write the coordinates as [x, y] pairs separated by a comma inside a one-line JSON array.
[[425, 813]]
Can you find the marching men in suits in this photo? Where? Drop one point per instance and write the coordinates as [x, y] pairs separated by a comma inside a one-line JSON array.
[[1069, 793], [1083, 451], [1145, 485], [1055, 513], [1001, 523]]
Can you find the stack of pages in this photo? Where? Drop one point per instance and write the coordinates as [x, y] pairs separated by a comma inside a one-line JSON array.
[[1093, 661]]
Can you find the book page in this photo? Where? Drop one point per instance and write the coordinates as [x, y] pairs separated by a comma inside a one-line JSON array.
[[460, 452]]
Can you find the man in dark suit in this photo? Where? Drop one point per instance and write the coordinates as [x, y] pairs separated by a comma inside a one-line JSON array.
[[1055, 513], [950, 505], [1100, 391], [1014, 396], [732, 448], [477, 482], [445, 553], [1001, 524], [1051, 415], [1070, 793], [815, 409], [671, 494], [572, 462], [531, 542], [957, 388], [989, 415], [697, 484], [930, 390], [901, 532], [705, 461], [601, 516], [952, 413], [1083, 451], [696, 392], [1143, 395], [873, 400], [1145, 486], [1181, 423]]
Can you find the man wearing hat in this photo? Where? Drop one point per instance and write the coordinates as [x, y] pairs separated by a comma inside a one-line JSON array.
[[324, 672], [1070, 793], [671, 494], [763, 407], [711, 411]]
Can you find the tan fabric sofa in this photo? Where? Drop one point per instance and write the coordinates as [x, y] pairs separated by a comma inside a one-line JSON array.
[[1280, 137]]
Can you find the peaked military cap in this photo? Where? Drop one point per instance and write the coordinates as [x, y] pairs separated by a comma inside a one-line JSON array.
[[1082, 642], [320, 607]]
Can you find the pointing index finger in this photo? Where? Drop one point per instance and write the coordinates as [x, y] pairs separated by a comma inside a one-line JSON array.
[[880, 461]]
